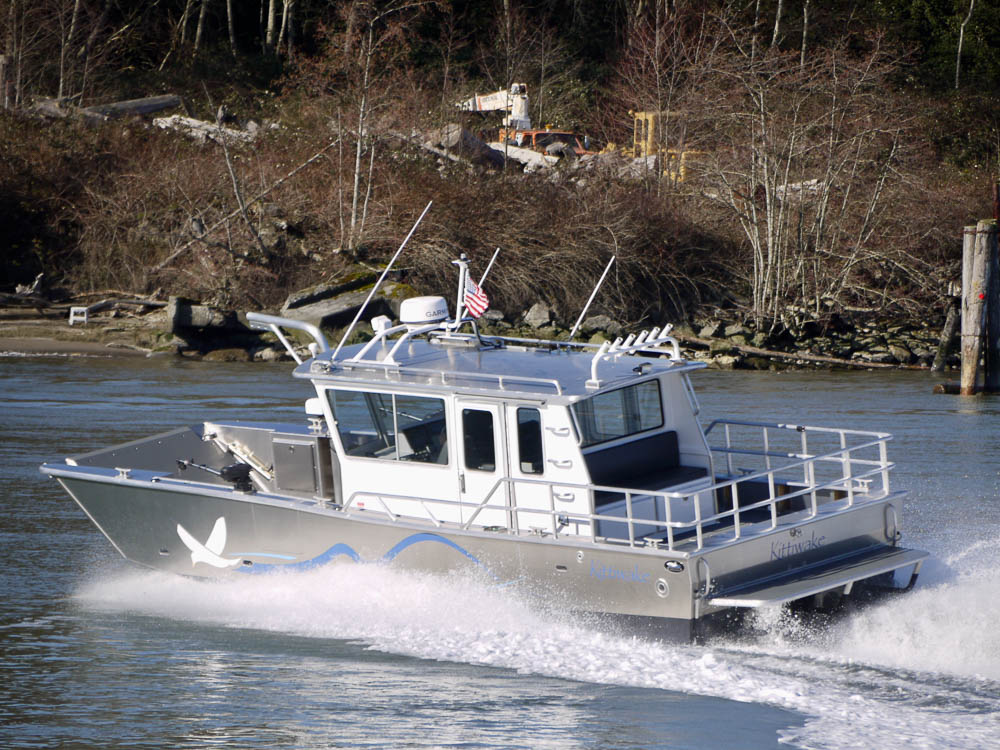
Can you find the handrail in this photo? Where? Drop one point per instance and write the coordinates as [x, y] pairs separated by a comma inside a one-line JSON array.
[[559, 518], [855, 479], [274, 323], [445, 376], [648, 341]]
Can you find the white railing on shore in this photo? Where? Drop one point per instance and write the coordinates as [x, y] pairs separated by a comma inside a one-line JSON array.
[[853, 476]]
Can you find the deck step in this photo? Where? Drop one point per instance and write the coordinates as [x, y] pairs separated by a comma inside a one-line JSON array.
[[799, 585]]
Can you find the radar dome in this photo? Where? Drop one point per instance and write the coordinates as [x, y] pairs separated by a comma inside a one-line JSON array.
[[423, 310]]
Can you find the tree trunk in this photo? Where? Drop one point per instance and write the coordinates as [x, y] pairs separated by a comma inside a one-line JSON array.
[[272, 25], [777, 22], [66, 49], [367, 51], [961, 38], [232, 26], [201, 26], [805, 31], [284, 26], [184, 21]]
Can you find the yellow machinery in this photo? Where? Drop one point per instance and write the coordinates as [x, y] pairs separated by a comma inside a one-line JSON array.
[[646, 142]]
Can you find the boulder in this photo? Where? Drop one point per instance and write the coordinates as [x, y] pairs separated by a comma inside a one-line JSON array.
[[603, 323], [710, 330], [326, 291], [456, 138], [538, 316], [228, 355], [901, 354], [338, 311], [185, 317]]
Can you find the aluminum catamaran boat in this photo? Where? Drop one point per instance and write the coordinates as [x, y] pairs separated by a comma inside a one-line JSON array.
[[577, 470]]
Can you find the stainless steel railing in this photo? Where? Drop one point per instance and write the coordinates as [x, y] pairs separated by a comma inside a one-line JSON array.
[[854, 475]]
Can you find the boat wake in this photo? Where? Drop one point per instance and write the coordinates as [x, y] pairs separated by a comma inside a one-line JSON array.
[[921, 670]]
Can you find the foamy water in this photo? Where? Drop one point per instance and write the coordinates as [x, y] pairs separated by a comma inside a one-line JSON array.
[[921, 670]]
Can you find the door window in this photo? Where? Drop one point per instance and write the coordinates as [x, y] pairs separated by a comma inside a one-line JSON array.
[[529, 440], [477, 437]]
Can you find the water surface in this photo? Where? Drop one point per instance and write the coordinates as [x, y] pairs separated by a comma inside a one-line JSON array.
[[95, 652]]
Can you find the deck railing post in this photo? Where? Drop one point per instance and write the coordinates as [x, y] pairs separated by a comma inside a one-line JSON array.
[[628, 514]]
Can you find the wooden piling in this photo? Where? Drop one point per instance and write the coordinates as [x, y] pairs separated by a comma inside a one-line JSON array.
[[975, 266], [950, 327], [991, 356]]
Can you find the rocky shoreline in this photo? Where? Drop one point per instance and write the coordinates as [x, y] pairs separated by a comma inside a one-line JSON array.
[[192, 330]]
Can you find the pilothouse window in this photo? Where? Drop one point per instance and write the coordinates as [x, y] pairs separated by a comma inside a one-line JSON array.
[[619, 413], [390, 426]]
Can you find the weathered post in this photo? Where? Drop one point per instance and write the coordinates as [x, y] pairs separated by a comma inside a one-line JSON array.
[[950, 326], [991, 358], [973, 302]]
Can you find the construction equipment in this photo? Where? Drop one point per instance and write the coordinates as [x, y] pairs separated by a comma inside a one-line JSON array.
[[513, 101], [647, 141], [517, 130]]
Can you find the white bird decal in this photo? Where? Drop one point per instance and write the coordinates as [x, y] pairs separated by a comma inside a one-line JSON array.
[[210, 552]]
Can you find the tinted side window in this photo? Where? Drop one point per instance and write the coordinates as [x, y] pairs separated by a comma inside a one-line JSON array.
[[477, 437], [529, 440], [619, 413]]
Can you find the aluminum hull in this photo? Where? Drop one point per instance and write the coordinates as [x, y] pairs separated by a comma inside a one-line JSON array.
[[665, 594]]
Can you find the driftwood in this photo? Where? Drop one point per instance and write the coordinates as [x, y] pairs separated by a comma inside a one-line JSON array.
[[144, 106], [201, 131], [754, 351], [65, 109]]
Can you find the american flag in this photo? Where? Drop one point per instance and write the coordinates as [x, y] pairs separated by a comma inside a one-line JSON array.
[[476, 300]]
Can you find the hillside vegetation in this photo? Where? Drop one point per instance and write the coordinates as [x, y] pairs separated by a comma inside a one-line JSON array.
[[840, 147]]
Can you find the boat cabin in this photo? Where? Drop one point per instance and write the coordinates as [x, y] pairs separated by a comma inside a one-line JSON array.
[[511, 434]]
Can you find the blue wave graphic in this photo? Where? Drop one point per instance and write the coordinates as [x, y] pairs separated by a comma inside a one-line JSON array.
[[346, 550], [334, 552]]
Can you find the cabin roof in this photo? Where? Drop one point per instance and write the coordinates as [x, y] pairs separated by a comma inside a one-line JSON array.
[[549, 371]]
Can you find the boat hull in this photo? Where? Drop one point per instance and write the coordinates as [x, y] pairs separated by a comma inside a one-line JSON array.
[[214, 531]]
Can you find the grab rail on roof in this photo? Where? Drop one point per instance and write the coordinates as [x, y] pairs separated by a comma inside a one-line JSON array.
[[274, 323], [649, 341]]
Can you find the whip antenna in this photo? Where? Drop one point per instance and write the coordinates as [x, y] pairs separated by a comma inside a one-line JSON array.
[[378, 284], [592, 295]]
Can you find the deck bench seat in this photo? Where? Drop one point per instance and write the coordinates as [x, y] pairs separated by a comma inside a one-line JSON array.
[[649, 463]]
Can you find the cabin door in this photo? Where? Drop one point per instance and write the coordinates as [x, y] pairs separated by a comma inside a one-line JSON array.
[[482, 463]]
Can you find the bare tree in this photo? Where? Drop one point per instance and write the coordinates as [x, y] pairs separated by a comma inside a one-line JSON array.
[[804, 158], [366, 54], [961, 38], [805, 30]]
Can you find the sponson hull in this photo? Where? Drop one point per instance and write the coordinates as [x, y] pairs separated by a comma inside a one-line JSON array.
[[581, 473]]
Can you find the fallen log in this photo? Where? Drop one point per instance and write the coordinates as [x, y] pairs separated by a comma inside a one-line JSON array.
[[143, 106], [201, 131], [754, 351]]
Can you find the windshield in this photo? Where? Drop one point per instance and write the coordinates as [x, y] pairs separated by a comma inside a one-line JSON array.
[[619, 413]]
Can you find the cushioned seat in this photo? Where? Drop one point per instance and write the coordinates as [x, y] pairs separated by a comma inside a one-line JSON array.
[[649, 463]]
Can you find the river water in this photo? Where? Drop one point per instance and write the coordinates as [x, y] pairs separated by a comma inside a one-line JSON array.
[[95, 652]]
